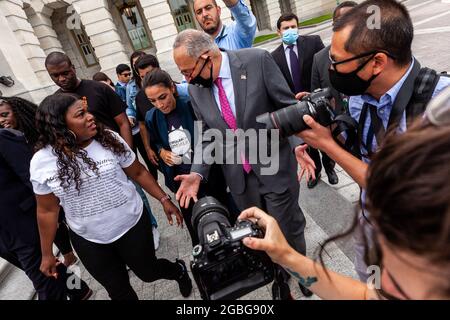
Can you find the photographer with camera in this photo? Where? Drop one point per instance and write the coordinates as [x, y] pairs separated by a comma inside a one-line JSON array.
[[387, 85], [407, 194]]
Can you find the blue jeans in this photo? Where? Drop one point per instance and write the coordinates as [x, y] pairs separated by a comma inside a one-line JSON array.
[[146, 204]]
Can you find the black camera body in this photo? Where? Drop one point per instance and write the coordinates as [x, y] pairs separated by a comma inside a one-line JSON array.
[[289, 120], [222, 266]]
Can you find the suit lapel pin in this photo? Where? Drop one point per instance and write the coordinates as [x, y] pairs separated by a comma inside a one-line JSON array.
[[243, 77]]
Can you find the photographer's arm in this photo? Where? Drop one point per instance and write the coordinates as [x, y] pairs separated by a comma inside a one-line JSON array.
[[326, 284], [320, 138]]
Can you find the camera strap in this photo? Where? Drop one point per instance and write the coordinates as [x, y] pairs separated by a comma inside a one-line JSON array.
[[345, 125]]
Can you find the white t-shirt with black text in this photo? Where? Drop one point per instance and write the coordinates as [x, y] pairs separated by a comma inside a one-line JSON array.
[[107, 206]]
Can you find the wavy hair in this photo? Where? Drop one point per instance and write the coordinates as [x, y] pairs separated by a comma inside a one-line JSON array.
[[25, 113], [53, 132]]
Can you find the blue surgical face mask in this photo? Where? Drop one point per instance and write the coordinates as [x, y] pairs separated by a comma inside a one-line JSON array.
[[290, 36]]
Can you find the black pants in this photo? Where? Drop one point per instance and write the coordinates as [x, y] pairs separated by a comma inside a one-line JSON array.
[[107, 262], [62, 239], [24, 251], [138, 144], [328, 163]]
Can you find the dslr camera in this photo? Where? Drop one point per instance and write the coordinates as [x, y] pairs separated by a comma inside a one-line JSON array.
[[222, 266], [289, 120]]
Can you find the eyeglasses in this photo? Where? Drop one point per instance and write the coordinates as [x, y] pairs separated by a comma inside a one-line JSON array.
[[188, 74], [362, 55]]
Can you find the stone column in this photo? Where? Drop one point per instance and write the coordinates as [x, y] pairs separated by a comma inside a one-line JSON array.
[[103, 34], [23, 33], [274, 11], [40, 20], [164, 31], [14, 62]]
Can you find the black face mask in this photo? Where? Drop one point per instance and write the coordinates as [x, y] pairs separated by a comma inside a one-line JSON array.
[[202, 82], [350, 83]]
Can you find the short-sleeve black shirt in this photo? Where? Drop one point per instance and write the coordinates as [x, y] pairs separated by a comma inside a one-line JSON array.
[[103, 102], [143, 105]]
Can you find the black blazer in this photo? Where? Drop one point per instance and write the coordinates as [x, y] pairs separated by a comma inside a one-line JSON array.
[[17, 201], [307, 47]]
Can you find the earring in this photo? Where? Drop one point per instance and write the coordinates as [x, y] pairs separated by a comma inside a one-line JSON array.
[[73, 134]]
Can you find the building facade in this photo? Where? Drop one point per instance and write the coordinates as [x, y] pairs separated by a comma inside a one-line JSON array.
[[100, 34]]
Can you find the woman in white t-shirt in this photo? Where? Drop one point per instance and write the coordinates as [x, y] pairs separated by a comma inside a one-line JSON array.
[[84, 167]]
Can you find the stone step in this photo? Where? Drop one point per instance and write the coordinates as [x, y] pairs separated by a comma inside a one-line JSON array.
[[16, 286], [5, 268]]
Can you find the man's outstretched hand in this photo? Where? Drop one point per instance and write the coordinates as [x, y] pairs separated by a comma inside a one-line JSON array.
[[190, 183], [307, 164]]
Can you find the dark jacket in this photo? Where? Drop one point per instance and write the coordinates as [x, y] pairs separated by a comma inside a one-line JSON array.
[[121, 91], [320, 77], [156, 124], [307, 47], [17, 200]]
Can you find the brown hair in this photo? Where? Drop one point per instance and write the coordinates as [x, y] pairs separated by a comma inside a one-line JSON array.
[[408, 194]]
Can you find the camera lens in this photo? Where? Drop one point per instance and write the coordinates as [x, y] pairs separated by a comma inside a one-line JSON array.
[[208, 205], [290, 119]]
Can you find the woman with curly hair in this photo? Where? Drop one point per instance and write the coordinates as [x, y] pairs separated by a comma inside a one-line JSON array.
[[19, 236], [84, 167]]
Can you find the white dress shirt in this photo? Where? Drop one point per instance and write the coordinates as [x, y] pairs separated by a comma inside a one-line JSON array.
[[227, 83]]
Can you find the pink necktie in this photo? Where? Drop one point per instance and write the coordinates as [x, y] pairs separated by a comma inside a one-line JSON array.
[[228, 116]]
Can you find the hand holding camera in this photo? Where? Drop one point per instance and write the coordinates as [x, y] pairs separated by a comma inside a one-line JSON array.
[[318, 137], [274, 243], [309, 119], [222, 266]]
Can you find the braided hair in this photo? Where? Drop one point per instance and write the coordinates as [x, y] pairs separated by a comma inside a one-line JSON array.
[[25, 113]]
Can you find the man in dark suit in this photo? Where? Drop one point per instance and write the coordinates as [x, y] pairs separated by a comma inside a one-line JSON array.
[[295, 60], [228, 90]]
